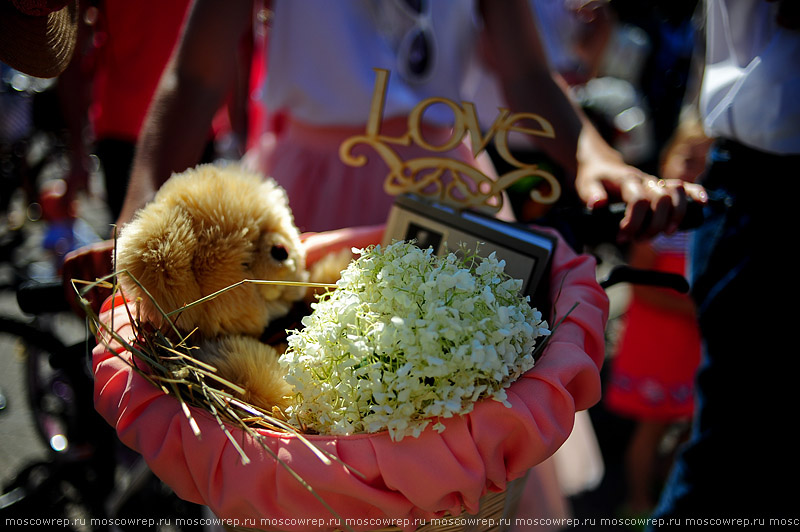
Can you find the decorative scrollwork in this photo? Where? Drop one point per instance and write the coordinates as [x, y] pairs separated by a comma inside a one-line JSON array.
[[444, 179], [448, 181]]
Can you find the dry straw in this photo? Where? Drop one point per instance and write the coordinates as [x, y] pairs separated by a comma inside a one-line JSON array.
[[193, 383]]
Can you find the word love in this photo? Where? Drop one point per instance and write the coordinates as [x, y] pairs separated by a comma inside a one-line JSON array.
[[445, 179]]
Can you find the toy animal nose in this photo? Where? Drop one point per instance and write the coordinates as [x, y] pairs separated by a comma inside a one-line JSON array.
[[279, 253]]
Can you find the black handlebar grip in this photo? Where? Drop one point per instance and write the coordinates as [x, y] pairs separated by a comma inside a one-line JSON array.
[[613, 214], [601, 224], [42, 297], [628, 274]]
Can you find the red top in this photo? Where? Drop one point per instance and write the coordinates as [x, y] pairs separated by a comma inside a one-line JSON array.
[[135, 41]]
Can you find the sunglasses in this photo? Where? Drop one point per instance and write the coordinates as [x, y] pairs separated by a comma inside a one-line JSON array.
[[409, 24]]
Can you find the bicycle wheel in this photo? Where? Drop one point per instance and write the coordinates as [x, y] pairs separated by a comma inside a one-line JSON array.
[[50, 389]]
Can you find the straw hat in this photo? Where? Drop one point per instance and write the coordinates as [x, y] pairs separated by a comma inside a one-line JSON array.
[[37, 37]]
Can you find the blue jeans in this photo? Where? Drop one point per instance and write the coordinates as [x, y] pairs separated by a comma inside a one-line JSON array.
[[741, 454]]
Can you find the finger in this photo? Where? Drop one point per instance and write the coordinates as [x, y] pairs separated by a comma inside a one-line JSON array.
[[696, 192], [679, 207], [637, 210], [667, 206], [592, 193], [661, 210]]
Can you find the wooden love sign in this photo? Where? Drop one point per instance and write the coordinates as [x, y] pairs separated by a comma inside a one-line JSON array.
[[444, 179]]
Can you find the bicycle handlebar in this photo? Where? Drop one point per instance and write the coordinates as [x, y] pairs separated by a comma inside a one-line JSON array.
[[595, 226], [628, 274], [38, 298], [614, 212], [600, 225]]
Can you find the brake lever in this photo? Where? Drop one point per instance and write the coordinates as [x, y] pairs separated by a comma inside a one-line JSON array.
[[627, 274]]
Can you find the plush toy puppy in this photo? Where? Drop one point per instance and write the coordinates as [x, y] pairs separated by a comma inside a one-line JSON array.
[[206, 229]]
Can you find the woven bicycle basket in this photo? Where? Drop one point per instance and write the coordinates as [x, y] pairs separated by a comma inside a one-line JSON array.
[[426, 483]]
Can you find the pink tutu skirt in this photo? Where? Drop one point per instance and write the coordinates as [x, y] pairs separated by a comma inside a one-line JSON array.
[[324, 192]]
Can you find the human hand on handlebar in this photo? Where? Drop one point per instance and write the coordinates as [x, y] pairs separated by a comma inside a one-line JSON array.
[[88, 263], [653, 205]]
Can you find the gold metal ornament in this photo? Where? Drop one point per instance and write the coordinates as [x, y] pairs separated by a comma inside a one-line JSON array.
[[447, 180]]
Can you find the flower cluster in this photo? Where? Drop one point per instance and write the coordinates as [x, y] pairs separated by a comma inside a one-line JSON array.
[[408, 338]]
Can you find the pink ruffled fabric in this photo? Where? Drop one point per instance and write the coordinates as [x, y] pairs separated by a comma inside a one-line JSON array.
[[413, 479]]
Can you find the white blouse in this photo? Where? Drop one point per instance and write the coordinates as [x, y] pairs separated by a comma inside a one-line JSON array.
[[322, 55], [751, 85]]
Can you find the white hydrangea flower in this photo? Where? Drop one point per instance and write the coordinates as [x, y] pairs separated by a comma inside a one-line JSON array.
[[407, 339]]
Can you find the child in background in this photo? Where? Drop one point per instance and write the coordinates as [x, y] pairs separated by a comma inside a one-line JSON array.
[[652, 373]]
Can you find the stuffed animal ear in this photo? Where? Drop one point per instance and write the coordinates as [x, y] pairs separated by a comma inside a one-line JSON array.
[[223, 258], [154, 258]]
